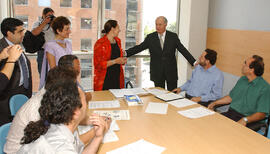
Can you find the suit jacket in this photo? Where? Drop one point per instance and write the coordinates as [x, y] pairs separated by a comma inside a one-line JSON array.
[[12, 87], [162, 62]]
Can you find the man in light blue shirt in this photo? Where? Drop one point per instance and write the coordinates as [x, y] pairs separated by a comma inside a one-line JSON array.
[[206, 81]]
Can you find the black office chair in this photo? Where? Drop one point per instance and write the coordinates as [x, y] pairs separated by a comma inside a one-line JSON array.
[[129, 84]]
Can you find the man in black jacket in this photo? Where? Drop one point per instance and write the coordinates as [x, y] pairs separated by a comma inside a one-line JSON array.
[[21, 78], [162, 45]]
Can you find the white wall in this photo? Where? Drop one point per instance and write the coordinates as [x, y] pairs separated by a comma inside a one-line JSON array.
[[192, 33]]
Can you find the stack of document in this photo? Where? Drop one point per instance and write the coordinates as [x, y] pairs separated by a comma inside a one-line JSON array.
[[156, 92], [157, 108], [133, 100], [118, 93], [114, 114], [138, 147], [103, 104], [169, 96], [196, 112]]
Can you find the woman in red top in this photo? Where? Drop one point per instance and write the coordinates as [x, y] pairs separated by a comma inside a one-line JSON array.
[[108, 59]]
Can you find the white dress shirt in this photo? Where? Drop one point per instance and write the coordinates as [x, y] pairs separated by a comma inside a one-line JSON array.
[[58, 139]]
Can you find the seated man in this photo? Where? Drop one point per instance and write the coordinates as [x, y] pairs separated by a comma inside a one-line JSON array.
[[250, 98], [206, 81]]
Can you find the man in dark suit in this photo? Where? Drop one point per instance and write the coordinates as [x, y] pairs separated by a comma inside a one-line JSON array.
[[162, 45], [21, 79]]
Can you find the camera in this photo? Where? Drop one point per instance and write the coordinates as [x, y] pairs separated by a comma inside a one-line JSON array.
[[51, 17]]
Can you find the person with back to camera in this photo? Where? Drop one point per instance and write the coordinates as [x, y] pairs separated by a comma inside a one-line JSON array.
[[61, 112], [108, 59]]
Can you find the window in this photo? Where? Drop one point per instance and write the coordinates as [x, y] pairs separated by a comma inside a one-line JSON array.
[[21, 2], [108, 4], [44, 3], [86, 3], [65, 3], [86, 44], [24, 19], [132, 5], [86, 23]]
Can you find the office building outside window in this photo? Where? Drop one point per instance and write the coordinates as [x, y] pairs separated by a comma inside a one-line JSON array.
[[86, 23], [21, 2], [86, 3], [24, 19], [65, 3], [108, 4]]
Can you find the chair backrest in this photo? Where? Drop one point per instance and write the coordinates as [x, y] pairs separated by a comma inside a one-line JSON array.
[[229, 82], [3, 134], [16, 102]]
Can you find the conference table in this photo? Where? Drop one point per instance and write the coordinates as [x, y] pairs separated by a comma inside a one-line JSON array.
[[213, 134]]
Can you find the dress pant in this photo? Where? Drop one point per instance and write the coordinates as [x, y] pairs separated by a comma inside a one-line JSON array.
[[170, 84], [236, 116]]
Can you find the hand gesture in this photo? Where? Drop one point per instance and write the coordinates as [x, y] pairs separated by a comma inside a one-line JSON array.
[[176, 90], [14, 52], [121, 60], [211, 106], [4, 53]]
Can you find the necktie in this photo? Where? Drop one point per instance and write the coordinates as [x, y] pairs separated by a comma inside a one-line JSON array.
[[24, 71], [161, 41]]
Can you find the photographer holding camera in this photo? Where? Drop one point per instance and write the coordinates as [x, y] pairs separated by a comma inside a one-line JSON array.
[[44, 26]]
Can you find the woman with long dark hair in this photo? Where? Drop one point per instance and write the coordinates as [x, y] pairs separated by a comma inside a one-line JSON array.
[[63, 107], [108, 59]]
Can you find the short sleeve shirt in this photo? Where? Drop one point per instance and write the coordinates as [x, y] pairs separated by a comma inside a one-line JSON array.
[[251, 97]]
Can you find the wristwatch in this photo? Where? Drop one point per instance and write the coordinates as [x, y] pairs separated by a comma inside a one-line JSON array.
[[245, 119]]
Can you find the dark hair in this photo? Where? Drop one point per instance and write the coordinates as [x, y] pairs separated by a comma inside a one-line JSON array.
[[58, 23], [60, 73], [57, 107], [47, 10], [67, 60], [108, 26], [10, 24], [211, 55], [258, 65]]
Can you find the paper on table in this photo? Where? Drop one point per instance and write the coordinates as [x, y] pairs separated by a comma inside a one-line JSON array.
[[121, 92], [169, 96], [196, 112], [158, 108], [156, 92], [182, 102], [110, 136], [103, 104], [83, 129], [138, 147], [114, 114]]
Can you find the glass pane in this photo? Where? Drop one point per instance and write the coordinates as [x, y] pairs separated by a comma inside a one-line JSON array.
[[45, 3], [65, 3], [24, 19], [86, 23], [21, 2], [86, 3], [86, 44], [108, 4]]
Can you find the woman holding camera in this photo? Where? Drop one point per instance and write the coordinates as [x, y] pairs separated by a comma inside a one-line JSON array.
[[56, 48], [108, 59]]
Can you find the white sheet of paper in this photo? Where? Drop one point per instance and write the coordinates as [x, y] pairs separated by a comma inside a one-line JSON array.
[[114, 114], [157, 108], [110, 136], [138, 147], [196, 112], [169, 96], [121, 92], [156, 92], [181, 103], [103, 104], [83, 129]]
